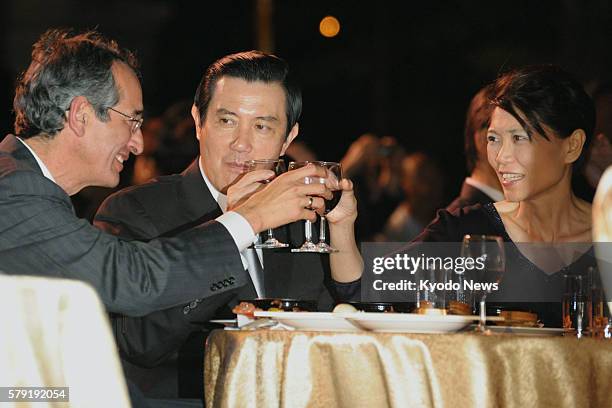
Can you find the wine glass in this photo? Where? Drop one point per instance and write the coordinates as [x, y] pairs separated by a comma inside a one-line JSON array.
[[489, 265], [278, 166], [308, 245], [332, 181]]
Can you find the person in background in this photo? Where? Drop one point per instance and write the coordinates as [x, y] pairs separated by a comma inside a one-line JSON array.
[[246, 107], [482, 185], [177, 146], [300, 151], [600, 154], [145, 164], [423, 184], [374, 165]]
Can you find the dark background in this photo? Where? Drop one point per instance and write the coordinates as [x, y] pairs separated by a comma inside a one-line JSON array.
[[406, 69]]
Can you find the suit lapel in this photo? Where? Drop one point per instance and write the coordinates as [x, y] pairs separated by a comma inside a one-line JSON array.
[[195, 204]]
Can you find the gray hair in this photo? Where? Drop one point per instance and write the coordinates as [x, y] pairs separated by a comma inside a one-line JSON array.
[[63, 67]]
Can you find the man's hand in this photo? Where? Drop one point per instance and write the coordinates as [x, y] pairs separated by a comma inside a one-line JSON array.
[[284, 200], [246, 186], [346, 210]]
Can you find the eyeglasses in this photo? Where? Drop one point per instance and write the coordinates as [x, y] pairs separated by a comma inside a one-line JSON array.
[[136, 123]]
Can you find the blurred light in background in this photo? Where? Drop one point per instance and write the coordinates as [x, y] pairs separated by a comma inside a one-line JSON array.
[[329, 26]]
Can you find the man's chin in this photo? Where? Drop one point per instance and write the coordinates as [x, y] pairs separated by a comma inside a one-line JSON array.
[[112, 182]]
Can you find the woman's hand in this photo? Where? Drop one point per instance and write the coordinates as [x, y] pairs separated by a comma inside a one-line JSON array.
[[345, 212]]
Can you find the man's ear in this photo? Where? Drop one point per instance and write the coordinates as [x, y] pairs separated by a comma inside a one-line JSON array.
[[292, 135], [79, 114], [195, 114], [574, 145]]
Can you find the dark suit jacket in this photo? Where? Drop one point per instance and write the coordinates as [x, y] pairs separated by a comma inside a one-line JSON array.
[[165, 207], [40, 235], [468, 196]]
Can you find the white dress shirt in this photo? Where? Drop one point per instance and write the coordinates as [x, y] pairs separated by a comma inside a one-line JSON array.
[[40, 163]]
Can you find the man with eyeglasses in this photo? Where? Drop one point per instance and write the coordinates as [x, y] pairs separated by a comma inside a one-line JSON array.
[[76, 124]]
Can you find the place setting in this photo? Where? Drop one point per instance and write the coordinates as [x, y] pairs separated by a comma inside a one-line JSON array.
[[401, 317]]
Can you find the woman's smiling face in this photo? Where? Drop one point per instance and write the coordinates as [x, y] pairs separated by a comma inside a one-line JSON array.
[[526, 166]]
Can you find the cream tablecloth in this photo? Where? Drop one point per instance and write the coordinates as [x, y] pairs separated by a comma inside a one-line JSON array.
[[365, 369]]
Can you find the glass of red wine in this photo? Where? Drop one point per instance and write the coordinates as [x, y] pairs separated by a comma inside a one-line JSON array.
[[332, 181], [278, 167]]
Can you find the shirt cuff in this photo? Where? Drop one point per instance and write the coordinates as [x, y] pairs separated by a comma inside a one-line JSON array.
[[239, 228]]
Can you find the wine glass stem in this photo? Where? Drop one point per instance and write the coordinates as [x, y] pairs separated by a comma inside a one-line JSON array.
[[322, 236], [308, 231], [483, 314]]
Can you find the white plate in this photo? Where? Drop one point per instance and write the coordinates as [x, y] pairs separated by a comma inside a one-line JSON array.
[[528, 331], [410, 323], [311, 320], [226, 322]]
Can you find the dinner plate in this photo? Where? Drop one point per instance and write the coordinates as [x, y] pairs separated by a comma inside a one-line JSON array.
[[225, 322], [315, 321], [379, 322], [410, 323], [528, 331]]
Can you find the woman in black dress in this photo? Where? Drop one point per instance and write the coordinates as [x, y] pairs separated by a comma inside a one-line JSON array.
[[540, 129]]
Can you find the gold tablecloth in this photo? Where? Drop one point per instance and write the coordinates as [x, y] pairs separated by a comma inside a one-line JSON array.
[[365, 369]]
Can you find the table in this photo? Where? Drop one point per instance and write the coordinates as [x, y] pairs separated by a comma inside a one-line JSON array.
[[273, 368]]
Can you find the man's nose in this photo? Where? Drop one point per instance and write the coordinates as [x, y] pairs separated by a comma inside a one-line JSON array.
[[136, 143], [242, 140]]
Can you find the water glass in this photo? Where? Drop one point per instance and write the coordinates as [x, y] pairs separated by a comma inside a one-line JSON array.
[[575, 316]]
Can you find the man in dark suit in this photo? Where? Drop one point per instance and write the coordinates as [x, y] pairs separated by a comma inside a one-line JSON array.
[[246, 107], [76, 123], [482, 185]]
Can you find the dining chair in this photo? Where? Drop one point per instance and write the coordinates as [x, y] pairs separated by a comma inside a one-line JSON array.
[[55, 333]]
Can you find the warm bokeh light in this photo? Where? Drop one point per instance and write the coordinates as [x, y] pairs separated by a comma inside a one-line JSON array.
[[329, 26]]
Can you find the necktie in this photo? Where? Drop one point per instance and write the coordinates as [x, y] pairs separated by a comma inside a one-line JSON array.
[[255, 271]]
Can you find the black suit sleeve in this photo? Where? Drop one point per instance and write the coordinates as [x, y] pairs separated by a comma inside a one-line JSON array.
[[146, 341]]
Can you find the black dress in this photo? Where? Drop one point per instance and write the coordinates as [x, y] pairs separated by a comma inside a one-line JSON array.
[[524, 285]]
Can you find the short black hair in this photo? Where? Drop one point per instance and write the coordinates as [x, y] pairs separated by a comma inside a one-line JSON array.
[[540, 96], [251, 66], [477, 120], [63, 67]]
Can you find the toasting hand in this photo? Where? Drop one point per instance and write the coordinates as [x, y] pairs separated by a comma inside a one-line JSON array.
[[346, 210], [284, 200]]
